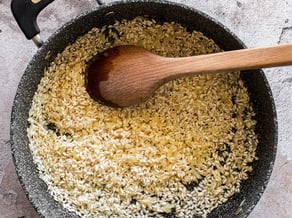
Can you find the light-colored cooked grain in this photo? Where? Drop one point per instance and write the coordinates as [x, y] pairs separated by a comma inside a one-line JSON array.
[[184, 151]]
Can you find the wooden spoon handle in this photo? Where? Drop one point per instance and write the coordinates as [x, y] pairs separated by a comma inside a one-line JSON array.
[[243, 59]]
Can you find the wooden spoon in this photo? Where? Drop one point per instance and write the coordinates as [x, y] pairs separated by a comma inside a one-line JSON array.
[[126, 75]]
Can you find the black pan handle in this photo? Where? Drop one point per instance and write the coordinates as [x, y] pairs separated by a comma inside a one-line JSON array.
[[25, 13]]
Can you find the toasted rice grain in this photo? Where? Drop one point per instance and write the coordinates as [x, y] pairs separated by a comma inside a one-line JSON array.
[[184, 151]]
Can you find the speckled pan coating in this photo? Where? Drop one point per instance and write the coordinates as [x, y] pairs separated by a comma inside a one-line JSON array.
[[256, 82]]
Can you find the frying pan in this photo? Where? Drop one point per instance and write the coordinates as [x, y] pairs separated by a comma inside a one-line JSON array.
[[25, 12]]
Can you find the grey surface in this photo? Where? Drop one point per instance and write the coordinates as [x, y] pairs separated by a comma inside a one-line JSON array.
[[256, 22]]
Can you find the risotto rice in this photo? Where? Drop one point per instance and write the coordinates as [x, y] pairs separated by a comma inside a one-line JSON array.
[[181, 153]]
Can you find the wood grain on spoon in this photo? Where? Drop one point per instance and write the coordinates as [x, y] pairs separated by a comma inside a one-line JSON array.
[[126, 75]]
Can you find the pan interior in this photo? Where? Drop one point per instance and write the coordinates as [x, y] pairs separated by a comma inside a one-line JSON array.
[[256, 82]]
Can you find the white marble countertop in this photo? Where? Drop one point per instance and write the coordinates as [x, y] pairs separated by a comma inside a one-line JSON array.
[[255, 22]]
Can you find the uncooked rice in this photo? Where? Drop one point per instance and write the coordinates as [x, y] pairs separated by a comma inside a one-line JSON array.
[[181, 153]]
